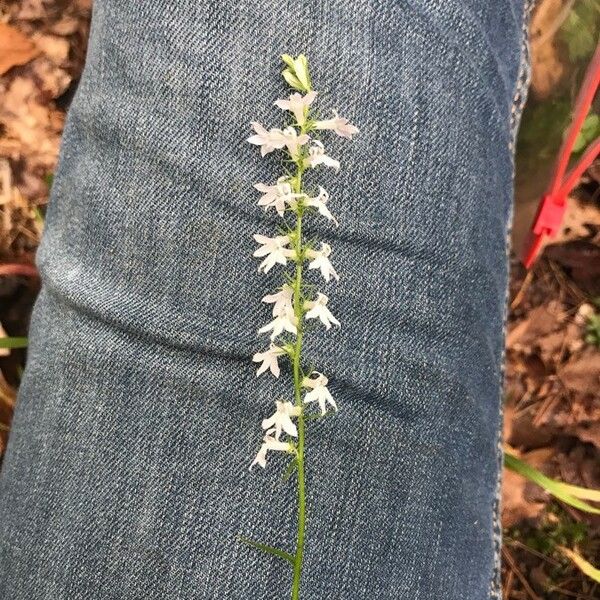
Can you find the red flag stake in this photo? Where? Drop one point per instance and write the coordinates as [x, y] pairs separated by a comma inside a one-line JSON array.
[[553, 204]]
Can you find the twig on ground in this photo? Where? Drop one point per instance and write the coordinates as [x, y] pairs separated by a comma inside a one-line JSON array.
[[515, 569]]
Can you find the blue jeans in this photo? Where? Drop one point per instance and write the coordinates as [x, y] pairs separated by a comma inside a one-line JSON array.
[[126, 475]]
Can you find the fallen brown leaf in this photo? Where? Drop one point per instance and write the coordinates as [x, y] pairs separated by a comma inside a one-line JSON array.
[[521, 499], [582, 374], [548, 68], [15, 48]]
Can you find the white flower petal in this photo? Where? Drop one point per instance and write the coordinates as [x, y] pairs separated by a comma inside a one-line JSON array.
[[318, 391], [267, 140], [293, 141], [321, 261], [318, 310], [269, 443], [298, 105], [284, 322], [340, 125], [281, 420], [269, 360], [274, 249], [282, 300], [317, 156], [320, 203]]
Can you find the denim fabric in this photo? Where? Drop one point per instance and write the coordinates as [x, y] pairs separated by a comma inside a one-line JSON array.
[[126, 475]]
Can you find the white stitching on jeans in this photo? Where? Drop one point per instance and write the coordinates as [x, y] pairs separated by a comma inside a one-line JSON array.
[[519, 99]]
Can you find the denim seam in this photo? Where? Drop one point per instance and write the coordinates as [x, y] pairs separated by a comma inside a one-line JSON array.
[[519, 99]]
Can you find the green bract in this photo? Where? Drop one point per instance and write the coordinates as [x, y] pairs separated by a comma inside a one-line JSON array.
[[297, 74]]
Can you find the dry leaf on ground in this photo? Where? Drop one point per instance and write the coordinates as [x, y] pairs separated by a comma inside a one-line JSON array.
[[15, 48]]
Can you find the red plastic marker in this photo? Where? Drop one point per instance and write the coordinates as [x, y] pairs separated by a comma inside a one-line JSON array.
[[553, 204]]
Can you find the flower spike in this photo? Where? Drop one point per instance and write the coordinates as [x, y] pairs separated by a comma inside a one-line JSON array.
[[295, 302]]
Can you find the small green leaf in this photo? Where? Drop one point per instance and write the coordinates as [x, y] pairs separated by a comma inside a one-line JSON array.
[[580, 29], [590, 130], [268, 549], [39, 217], [559, 490], [13, 342], [590, 125], [580, 142], [290, 469]]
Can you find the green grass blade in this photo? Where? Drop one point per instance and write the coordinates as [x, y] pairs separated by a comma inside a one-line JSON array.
[[581, 492], [556, 488], [584, 566], [268, 549], [13, 342]]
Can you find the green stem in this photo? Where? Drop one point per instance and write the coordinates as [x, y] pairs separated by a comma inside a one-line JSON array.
[[298, 312]]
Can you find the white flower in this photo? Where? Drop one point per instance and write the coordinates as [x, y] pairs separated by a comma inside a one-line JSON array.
[[319, 391], [267, 140], [319, 203], [276, 195], [339, 125], [269, 360], [274, 249], [317, 156], [282, 300], [293, 140], [284, 322], [281, 420], [318, 309], [270, 443], [297, 104], [321, 261]]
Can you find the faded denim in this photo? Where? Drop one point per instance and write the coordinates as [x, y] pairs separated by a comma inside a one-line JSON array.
[[126, 475]]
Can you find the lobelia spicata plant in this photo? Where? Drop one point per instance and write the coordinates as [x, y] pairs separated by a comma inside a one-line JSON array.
[[295, 302]]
